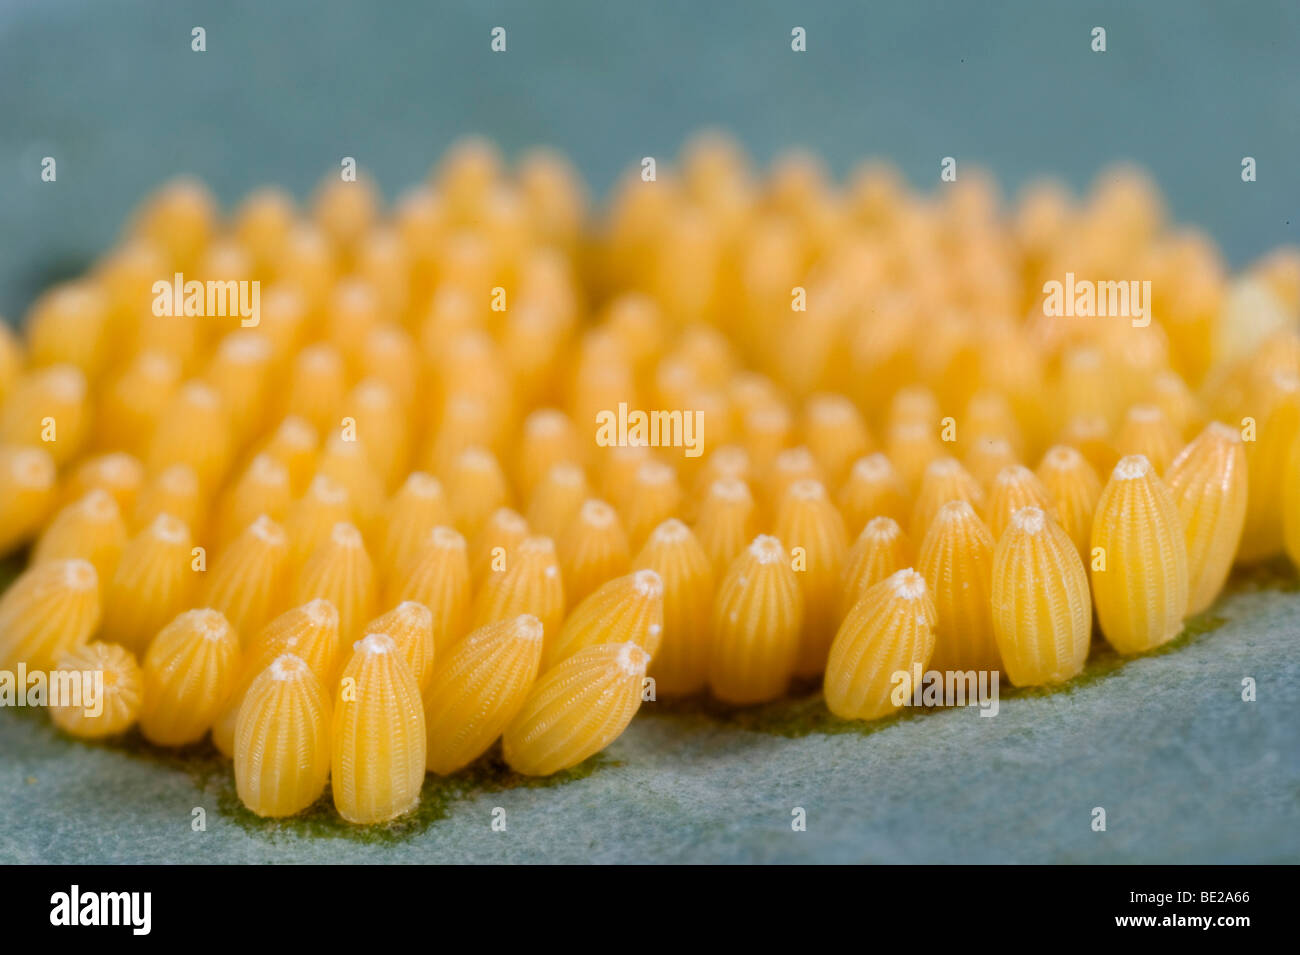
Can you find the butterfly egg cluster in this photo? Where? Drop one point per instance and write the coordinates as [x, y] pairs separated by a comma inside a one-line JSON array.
[[363, 491]]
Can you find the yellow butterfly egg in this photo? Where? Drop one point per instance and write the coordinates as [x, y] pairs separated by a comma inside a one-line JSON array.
[[1086, 385], [409, 517], [652, 497], [353, 305], [549, 438], [873, 489], [556, 498], [726, 522], [1015, 487], [195, 430], [725, 461], [127, 274], [637, 323], [69, 325], [389, 354], [533, 340], [341, 572], [27, 492], [475, 488], [378, 735], [316, 386], [90, 529], [989, 414], [626, 609], [262, 222], [1170, 393], [240, 373], [116, 684], [1147, 431], [134, 400], [420, 217], [889, 631], [466, 422], [757, 618], [262, 490], [956, 559], [190, 671], [766, 430], [381, 424], [881, 550], [944, 480], [282, 746], [380, 258], [173, 491], [307, 260], [348, 462], [11, 360], [477, 688], [180, 218], [312, 518], [680, 665], [345, 211], [789, 466], [1208, 482], [48, 610], [500, 534], [182, 338], [1091, 435], [987, 457], [911, 447], [554, 194], [836, 435], [531, 583], [248, 582], [410, 626], [1276, 418], [294, 443], [118, 473], [48, 408], [576, 709], [438, 576], [618, 466], [810, 526], [1073, 488], [1139, 576], [913, 404], [596, 387], [309, 632], [154, 581], [592, 549], [1042, 610]]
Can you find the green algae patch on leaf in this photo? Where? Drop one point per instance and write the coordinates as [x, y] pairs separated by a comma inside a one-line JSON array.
[[800, 714]]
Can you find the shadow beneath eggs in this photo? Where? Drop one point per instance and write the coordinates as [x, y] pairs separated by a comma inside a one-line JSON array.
[[801, 713], [212, 774], [10, 568], [1277, 573], [437, 797]]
